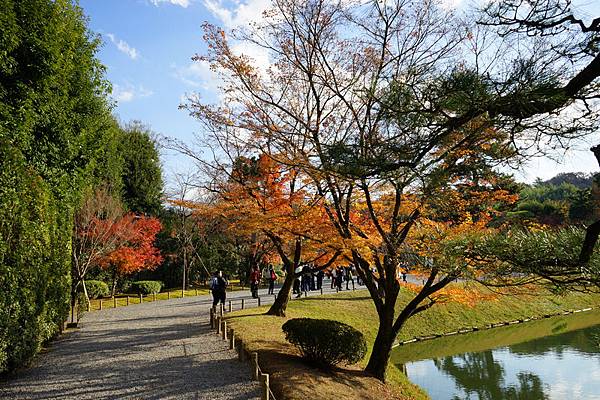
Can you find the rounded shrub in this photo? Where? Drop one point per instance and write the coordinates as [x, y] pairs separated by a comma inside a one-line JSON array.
[[146, 287], [325, 342], [96, 289]]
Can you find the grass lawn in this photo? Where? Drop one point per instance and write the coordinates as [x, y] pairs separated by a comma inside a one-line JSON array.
[[293, 379]]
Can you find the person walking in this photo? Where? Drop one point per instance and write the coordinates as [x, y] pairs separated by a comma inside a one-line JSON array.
[[255, 276], [349, 277], [333, 274], [218, 287], [306, 278], [320, 276], [339, 278], [272, 278]]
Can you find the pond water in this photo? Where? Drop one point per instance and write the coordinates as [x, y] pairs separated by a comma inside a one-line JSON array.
[[554, 358]]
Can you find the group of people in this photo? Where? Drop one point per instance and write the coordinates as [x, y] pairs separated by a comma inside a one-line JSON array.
[[341, 274], [255, 277], [308, 278], [218, 283]]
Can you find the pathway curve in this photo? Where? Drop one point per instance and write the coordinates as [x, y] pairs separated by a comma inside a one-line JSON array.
[[155, 350], [159, 350]]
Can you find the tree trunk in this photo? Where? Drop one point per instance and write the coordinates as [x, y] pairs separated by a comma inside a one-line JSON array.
[[74, 287], [85, 292], [280, 305], [113, 289], [184, 269], [382, 348]]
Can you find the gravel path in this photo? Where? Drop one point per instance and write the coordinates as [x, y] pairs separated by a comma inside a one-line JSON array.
[[156, 350], [161, 350]]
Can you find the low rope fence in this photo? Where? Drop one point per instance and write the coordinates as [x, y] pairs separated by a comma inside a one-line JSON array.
[[235, 343]]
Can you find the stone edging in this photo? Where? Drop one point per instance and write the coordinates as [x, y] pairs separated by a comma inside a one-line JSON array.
[[487, 326]]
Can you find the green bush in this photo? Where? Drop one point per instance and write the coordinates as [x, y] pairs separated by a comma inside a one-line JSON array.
[[325, 342], [146, 287], [96, 289]]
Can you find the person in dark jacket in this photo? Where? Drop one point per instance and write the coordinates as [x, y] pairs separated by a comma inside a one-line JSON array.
[[272, 277], [255, 277], [218, 287]]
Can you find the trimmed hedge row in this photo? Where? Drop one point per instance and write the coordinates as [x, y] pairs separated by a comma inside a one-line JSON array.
[[147, 287], [96, 289]]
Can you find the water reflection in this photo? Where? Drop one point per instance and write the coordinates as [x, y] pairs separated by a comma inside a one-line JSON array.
[[479, 374], [562, 364]]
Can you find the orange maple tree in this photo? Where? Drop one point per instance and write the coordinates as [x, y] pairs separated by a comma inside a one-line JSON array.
[[103, 232], [137, 251], [263, 199]]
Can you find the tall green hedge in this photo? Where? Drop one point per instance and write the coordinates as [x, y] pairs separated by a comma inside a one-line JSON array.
[[34, 260], [56, 134]]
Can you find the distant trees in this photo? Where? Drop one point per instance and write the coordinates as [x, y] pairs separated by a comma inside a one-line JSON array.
[[580, 180], [554, 204], [141, 170]]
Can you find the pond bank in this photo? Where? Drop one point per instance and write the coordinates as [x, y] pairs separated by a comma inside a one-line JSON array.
[[292, 379]]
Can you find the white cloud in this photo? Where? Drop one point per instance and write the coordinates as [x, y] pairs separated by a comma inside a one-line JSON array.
[[234, 14], [124, 47], [127, 93], [197, 74], [182, 3], [449, 5]]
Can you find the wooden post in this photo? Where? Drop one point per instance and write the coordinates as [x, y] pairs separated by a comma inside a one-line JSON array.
[[221, 309], [127, 300], [212, 318], [141, 298], [182, 293], [255, 372], [258, 301], [241, 351], [153, 296], [114, 302], [242, 304], [196, 292], [231, 339], [168, 295], [218, 325], [100, 303], [224, 330], [264, 386]]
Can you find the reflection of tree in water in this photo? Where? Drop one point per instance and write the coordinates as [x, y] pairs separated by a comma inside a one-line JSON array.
[[582, 340], [480, 374]]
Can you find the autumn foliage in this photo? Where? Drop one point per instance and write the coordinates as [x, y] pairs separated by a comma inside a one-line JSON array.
[[136, 252]]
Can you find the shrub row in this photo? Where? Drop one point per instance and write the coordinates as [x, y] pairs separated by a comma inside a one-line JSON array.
[[96, 289], [146, 287]]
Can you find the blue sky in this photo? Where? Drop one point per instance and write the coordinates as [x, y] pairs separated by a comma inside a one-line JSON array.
[[148, 45]]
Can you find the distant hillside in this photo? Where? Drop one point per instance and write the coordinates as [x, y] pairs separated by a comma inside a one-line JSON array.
[[579, 179]]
